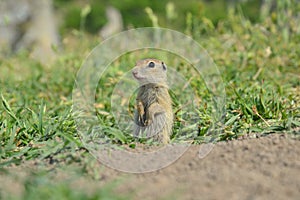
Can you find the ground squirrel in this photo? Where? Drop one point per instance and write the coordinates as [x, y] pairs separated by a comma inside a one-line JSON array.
[[153, 116]]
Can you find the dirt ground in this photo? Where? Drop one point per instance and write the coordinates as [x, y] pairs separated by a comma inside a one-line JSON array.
[[252, 168]]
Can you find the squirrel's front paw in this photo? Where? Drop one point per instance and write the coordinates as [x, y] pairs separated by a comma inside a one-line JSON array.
[[141, 120], [148, 122]]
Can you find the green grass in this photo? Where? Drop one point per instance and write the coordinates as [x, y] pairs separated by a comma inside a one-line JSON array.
[[260, 72], [260, 67], [40, 185]]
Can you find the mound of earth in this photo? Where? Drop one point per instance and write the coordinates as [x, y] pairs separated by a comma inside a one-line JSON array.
[[258, 168]]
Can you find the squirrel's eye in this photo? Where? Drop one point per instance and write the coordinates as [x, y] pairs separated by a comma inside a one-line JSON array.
[[151, 64]]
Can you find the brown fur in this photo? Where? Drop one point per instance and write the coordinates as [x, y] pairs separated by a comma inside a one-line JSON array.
[[153, 116]]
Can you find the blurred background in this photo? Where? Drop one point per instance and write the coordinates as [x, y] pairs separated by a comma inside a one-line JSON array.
[[171, 14], [40, 26]]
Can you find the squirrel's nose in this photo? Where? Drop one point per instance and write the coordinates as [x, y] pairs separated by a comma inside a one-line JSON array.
[[134, 72]]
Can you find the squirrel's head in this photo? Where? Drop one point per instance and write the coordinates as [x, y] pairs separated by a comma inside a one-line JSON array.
[[150, 71]]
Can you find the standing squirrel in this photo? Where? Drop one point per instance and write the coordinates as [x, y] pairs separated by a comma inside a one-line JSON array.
[[153, 116]]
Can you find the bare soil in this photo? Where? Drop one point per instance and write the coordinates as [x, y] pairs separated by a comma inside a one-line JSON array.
[[252, 168]]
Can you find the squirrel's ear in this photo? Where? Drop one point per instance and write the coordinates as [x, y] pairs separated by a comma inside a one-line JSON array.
[[164, 66]]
